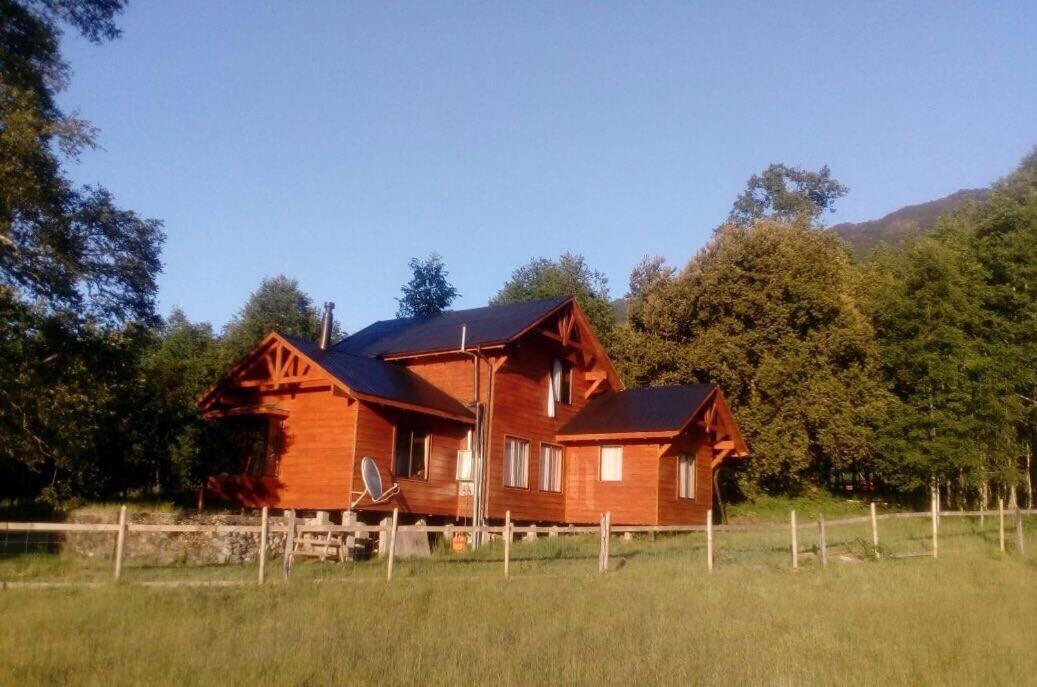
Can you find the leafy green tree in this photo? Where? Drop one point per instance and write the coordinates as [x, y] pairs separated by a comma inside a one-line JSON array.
[[277, 305], [77, 273], [428, 292], [767, 311], [568, 276], [787, 193], [178, 368], [956, 316]]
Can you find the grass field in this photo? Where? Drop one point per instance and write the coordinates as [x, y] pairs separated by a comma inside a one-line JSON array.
[[657, 618]]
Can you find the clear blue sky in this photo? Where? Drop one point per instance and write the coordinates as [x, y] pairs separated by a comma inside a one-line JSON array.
[[333, 141]]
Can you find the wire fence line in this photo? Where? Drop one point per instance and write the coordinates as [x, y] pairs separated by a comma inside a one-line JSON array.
[[325, 540]]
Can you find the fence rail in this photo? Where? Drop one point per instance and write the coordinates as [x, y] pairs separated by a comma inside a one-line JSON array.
[[390, 529]]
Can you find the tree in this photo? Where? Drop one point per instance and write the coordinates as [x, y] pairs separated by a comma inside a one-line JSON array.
[[178, 368], [77, 273], [787, 193], [428, 292], [568, 276], [956, 316], [767, 311], [277, 305]]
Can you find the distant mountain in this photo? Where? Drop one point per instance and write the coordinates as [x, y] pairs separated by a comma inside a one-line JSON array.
[[905, 223]]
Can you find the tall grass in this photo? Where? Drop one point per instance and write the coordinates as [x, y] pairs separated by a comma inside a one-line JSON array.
[[656, 618]]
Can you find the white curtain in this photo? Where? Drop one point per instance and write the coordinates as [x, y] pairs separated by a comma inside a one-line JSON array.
[[551, 393]]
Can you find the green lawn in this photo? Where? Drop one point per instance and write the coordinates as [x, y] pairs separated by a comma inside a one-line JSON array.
[[658, 617]]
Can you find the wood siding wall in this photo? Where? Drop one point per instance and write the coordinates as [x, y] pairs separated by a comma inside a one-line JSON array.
[[520, 410], [435, 495], [316, 457], [677, 511], [632, 501]]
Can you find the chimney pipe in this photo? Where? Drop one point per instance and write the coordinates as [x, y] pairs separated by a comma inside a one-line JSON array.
[[325, 325]]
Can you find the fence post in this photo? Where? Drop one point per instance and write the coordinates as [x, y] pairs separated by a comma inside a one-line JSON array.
[[608, 538], [507, 544], [120, 542], [709, 540], [1001, 523], [822, 545], [1019, 543], [289, 546], [601, 545], [936, 527], [875, 531], [795, 539], [392, 542], [264, 531]]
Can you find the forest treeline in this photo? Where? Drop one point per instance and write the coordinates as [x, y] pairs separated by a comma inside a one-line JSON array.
[[913, 368]]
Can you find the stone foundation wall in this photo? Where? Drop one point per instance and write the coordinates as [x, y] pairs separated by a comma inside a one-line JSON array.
[[173, 548]]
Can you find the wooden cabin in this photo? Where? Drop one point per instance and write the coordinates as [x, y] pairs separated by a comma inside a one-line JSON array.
[[528, 417]]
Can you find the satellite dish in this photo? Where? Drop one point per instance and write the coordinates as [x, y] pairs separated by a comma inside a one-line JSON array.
[[373, 483], [372, 478]]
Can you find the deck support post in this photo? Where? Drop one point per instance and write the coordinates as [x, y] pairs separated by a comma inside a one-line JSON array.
[[795, 539], [264, 532], [875, 531], [289, 545], [120, 542]]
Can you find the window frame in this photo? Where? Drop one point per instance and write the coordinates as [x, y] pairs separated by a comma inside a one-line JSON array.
[[601, 458], [694, 477], [504, 462], [414, 429], [561, 468]]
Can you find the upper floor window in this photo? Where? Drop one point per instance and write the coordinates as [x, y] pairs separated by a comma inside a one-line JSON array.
[[550, 467], [611, 464], [560, 385], [410, 457], [516, 462], [686, 476]]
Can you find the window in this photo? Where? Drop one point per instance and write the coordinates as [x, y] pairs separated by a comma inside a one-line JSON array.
[[257, 442], [550, 467], [464, 465], [562, 381], [686, 476], [559, 385], [611, 463], [516, 462], [411, 452]]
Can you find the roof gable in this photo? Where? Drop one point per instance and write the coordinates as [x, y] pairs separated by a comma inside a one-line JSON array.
[[368, 379], [495, 324], [373, 377]]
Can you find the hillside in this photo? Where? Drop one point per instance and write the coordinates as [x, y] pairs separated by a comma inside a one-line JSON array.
[[905, 223]]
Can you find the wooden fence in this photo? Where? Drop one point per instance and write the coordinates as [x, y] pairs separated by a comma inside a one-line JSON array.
[[388, 531]]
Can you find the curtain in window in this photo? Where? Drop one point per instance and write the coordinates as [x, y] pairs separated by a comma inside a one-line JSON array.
[[550, 468], [611, 463], [516, 463], [686, 476]]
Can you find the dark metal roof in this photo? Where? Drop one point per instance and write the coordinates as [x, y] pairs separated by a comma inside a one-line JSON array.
[[650, 409], [375, 377], [493, 324]]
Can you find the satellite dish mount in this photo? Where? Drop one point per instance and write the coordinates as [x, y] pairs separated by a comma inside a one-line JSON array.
[[373, 484]]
